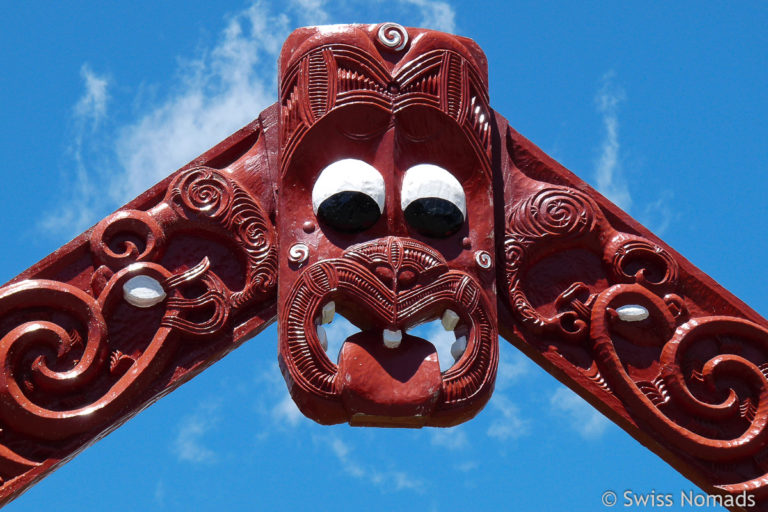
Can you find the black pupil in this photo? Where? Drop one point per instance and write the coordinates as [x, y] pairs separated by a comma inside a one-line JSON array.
[[434, 217], [349, 211]]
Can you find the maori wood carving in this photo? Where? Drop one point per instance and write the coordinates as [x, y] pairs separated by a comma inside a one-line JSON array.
[[383, 187], [404, 116], [134, 307]]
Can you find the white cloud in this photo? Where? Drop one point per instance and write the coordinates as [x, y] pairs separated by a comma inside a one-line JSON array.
[[510, 425], [512, 366], [466, 467], [216, 92], [582, 417], [88, 113], [312, 12], [658, 215], [221, 91], [160, 493], [435, 15], [452, 438], [388, 480], [608, 169], [92, 105], [286, 411], [189, 445]]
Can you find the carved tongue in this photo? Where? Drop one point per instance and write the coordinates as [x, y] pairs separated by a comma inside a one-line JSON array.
[[388, 386]]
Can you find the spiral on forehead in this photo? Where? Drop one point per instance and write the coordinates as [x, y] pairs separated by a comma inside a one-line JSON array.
[[393, 35]]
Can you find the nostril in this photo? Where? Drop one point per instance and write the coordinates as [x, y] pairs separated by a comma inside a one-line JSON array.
[[385, 275], [406, 279]]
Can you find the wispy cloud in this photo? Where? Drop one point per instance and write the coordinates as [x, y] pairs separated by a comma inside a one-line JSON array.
[[466, 467], [512, 366], [388, 480], [87, 116], [219, 90], [160, 493], [312, 12], [435, 15], [189, 445], [286, 411], [589, 423], [658, 215], [452, 438], [510, 424], [91, 108], [608, 169]]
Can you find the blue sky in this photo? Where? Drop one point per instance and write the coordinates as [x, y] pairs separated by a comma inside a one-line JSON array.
[[662, 107]]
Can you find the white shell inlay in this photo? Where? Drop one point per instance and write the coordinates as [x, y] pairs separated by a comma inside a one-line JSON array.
[[143, 292], [348, 175], [428, 180], [632, 313], [483, 259], [298, 253]]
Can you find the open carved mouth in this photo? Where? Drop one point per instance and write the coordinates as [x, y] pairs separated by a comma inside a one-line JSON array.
[[385, 375]]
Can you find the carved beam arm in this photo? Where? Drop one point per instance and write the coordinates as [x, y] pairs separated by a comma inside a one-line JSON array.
[[630, 325], [137, 305]]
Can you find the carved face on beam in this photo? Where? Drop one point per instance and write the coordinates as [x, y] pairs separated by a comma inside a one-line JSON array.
[[385, 217]]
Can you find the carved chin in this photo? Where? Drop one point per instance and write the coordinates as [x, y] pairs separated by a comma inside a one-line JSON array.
[[385, 376]]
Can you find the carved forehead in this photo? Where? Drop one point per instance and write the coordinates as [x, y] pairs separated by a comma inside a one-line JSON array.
[[364, 37], [409, 73]]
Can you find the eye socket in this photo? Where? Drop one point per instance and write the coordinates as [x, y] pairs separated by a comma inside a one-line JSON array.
[[349, 195], [433, 201]]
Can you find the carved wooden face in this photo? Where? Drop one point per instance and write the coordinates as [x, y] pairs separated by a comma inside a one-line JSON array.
[[385, 217]]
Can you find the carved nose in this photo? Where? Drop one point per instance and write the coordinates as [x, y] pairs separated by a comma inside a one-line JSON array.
[[396, 281]]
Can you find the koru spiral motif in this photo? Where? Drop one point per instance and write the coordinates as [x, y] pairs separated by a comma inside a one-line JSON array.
[[382, 187]]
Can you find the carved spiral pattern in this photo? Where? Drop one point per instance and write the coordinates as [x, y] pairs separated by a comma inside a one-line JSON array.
[[552, 213], [393, 35], [556, 212], [134, 228], [637, 259], [205, 191], [642, 397], [210, 194]]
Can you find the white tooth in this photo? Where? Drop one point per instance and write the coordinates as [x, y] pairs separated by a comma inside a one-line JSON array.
[[458, 347], [450, 320], [632, 313], [322, 337], [392, 339], [329, 310]]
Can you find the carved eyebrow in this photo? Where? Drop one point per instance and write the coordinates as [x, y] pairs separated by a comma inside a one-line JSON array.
[[374, 132]]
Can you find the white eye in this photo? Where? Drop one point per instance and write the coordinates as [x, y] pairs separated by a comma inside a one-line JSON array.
[[349, 195], [433, 201]]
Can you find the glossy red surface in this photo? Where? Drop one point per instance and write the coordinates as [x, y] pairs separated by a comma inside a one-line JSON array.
[[232, 240]]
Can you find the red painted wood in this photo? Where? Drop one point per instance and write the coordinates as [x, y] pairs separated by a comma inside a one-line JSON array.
[[348, 94], [234, 241], [78, 360]]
